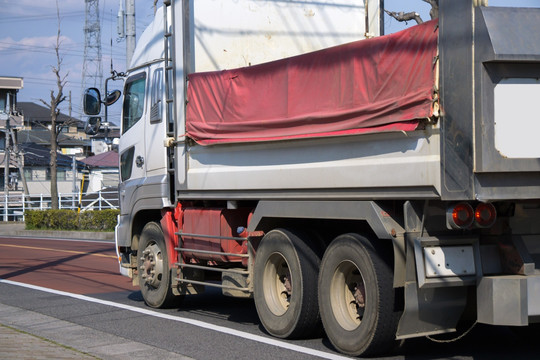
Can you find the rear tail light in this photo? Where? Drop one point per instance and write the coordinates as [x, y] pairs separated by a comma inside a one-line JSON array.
[[460, 216], [463, 216], [485, 215]]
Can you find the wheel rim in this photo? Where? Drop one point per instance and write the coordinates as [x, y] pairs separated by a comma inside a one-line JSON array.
[[277, 284], [152, 265], [348, 295]]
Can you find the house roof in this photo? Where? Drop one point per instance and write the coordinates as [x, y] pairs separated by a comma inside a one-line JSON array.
[[110, 132], [38, 113], [106, 159], [39, 156], [43, 137]]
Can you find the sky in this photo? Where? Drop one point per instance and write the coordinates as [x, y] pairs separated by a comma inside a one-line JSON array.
[[28, 30]]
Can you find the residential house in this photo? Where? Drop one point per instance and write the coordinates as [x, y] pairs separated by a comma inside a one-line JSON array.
[[37, 119], [105, 140], [67, 145], [10, 121], [37, 171], [103, 171], [38, 116]]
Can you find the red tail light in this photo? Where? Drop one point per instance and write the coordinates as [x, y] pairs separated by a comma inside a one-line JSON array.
[[460, 216], [485, 215]]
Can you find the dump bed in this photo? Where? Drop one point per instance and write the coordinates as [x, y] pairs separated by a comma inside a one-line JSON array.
[[280, 127], [300, 125]]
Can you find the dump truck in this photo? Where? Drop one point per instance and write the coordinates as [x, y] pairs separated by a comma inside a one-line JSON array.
[[381, 187]]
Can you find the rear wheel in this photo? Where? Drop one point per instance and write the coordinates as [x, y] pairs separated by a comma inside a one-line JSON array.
[[153, 265], [285, 285], [356, 296]]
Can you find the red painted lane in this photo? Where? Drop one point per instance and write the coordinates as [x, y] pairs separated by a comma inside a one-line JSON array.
[[79, 267]]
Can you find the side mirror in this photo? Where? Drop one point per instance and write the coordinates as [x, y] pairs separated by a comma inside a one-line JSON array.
[[92, 101], [112, 97], [92, 125]]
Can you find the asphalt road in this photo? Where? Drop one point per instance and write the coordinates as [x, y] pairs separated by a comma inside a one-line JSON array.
[[77, 283]]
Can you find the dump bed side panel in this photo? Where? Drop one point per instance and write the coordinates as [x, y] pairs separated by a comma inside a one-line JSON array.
[[231, 34]]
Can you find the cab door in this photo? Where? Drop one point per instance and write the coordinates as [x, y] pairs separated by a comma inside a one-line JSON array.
[[132, 142], [155, 131]]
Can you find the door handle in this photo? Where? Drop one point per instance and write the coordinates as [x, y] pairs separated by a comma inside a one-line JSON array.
[[139, 161]]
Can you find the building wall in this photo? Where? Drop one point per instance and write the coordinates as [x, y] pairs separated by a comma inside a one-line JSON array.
[[39, 182], [102, 178]]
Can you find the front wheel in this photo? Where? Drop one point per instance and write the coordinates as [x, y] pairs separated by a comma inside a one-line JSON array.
[[356, 296], [153, 268]]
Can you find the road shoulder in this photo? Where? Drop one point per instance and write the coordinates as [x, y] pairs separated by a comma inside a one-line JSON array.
[[55, 336]]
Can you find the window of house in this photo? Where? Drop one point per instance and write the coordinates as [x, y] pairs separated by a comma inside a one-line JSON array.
[[5, 99], [3, 102], [60, 174], [28, 174]]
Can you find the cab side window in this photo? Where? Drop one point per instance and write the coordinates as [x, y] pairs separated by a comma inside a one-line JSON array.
[[157, 95], [133, 108]]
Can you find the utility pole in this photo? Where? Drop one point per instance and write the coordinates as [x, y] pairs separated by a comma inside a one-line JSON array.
[[130, 31], [74, 183], [6, 171], [70, 108], [19, 159], [73, 166]]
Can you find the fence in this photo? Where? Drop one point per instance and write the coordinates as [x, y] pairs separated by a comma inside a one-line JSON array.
[[13, 206]]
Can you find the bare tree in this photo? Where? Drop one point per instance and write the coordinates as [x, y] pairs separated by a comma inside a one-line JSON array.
[[404, 17], [56, 128]]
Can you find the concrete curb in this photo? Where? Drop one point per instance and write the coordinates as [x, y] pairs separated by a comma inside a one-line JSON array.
[[15, 229]]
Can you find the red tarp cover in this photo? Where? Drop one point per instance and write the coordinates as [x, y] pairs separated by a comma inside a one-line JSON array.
[[379, 84]]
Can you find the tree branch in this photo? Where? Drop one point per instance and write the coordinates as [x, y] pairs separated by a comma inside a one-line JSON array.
[[434, 12], [404, 17], [45, 103]]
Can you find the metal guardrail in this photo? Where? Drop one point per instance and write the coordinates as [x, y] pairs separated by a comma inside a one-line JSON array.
[[13, 206]]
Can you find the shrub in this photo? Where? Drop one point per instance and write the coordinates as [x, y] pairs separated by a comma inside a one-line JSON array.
[[96, 220], [101, 220]]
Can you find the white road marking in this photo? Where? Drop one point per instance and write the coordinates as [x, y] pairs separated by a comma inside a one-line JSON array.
[[202, 324]]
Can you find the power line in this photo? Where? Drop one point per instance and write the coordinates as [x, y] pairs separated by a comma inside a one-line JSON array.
[[21, 18], [71, 50]]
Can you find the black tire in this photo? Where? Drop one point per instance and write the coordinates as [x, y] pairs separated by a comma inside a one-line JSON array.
[[285, 285], [153, 265], [356, 296]]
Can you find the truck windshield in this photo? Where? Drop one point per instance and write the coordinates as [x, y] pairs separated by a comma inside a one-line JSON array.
[[133, 101]]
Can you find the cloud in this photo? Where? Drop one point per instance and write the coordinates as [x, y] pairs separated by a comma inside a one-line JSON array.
[[46, 41], [35, 42]]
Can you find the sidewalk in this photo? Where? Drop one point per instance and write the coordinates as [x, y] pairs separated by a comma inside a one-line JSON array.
[[33, 336], [17, 345], [18, 229]]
